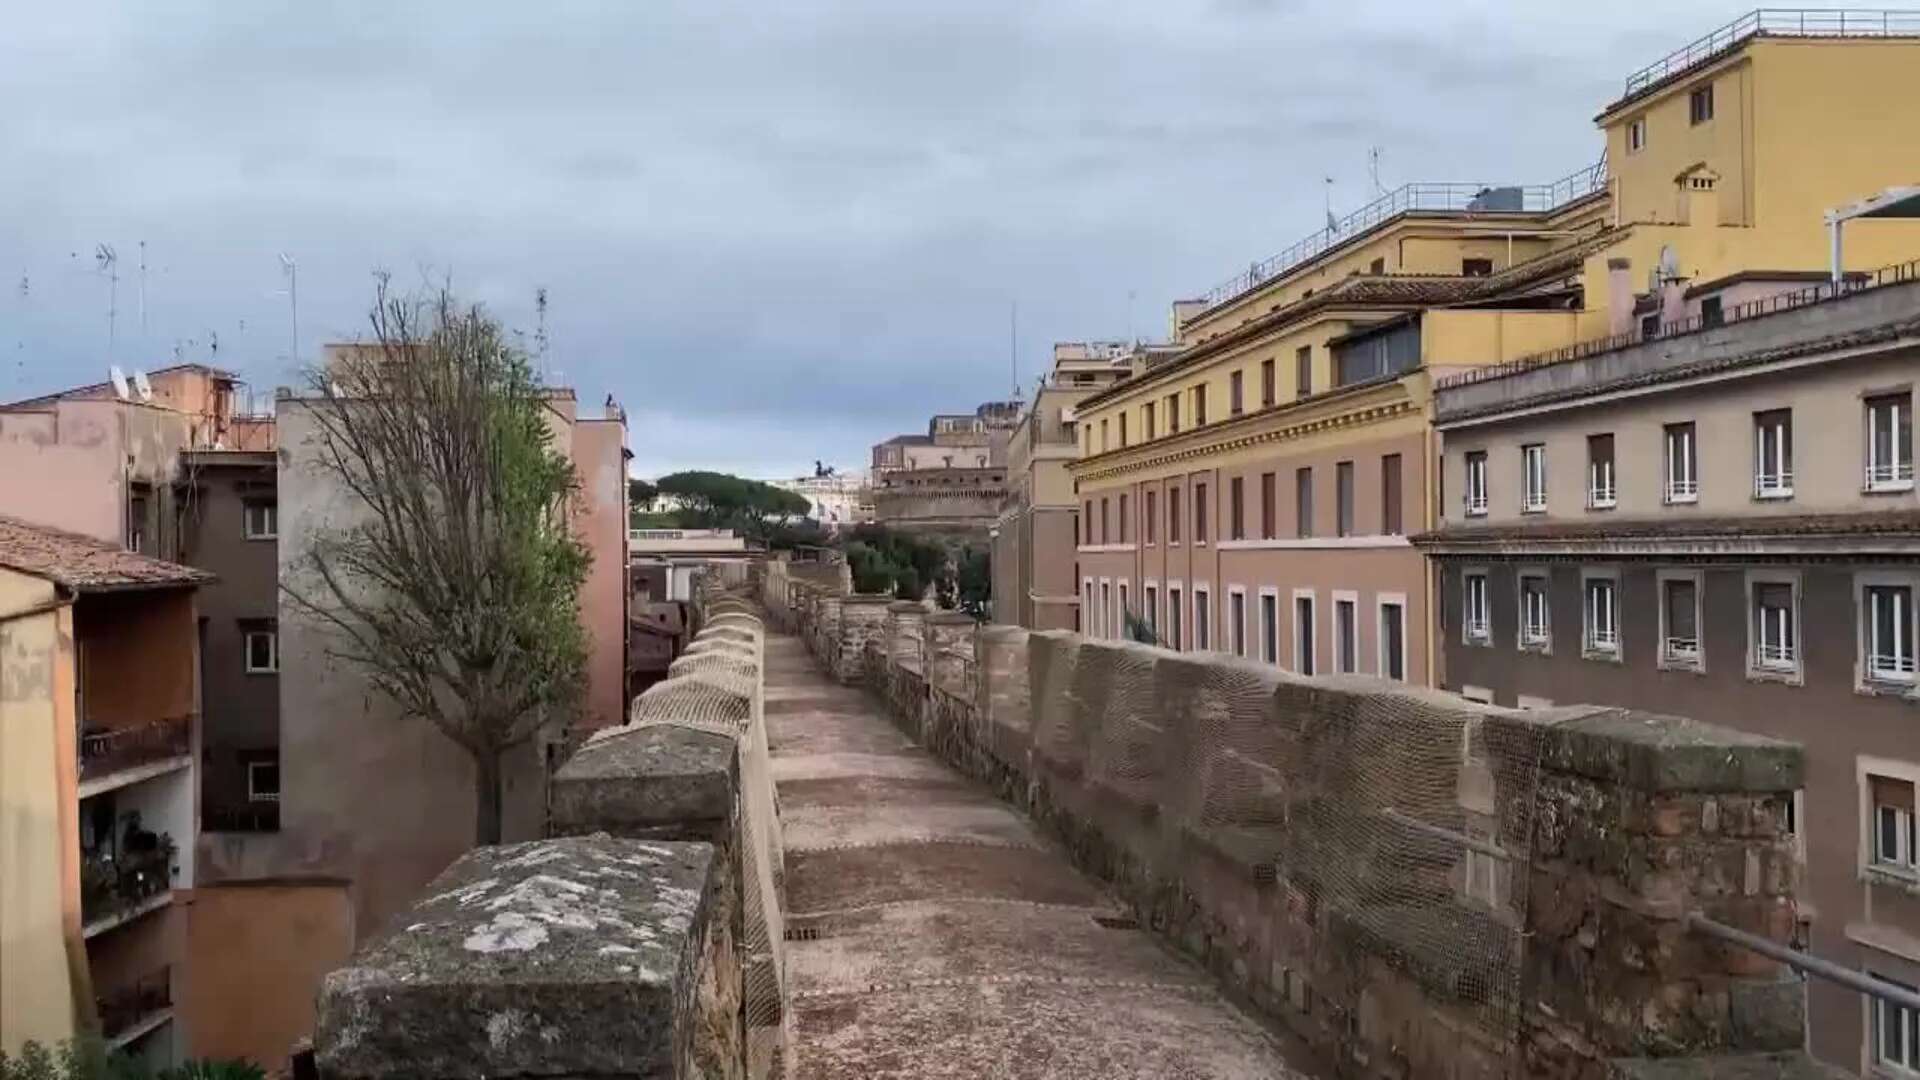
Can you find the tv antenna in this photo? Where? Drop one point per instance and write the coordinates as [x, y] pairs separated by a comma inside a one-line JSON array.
[[143, 290], [1373, 171], [1013, 345], [108, 263], [540, 327], [292, 269]]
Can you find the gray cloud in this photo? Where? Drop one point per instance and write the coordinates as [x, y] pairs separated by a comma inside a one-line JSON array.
[[777, 232]]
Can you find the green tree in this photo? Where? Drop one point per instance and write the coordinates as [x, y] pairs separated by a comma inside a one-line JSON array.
[[974, 583], [722, 500], [455, 589], [640, 495]]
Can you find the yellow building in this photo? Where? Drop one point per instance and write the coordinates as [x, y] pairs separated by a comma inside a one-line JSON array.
[[1253, 494]]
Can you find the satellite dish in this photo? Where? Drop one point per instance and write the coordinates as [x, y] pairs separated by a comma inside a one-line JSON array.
[[142, 386], [1669, 263], [119, 380]]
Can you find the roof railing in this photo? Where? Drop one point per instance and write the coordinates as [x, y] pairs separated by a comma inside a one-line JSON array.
[[1856, 282], [1786, 22], [1412, 198]]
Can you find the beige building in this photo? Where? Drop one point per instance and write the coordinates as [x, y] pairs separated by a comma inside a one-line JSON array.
[[99, 739], [1034, 536], [949, 481]]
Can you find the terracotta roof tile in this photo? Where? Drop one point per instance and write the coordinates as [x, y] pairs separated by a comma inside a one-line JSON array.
[[84, 564]]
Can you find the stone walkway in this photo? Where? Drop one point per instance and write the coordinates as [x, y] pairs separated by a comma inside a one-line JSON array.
[[935, 934]]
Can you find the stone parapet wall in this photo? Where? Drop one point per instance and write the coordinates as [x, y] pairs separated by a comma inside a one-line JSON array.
[[1414, 883], [642, 940]]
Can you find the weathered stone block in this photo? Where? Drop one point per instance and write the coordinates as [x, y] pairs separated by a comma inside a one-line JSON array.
[[658, 781], [557, 958]]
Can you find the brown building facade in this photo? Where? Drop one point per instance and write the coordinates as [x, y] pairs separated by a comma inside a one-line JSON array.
[[1720, 522]]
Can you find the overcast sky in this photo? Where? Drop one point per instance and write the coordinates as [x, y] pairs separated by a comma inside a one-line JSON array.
[[776, 231]]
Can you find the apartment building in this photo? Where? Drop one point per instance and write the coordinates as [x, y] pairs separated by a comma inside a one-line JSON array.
[[1254, 494], [1034, 536], [99, 740]]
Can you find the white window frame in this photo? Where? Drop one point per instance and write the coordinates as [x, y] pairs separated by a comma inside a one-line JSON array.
[[1593, 645], [1106, 608], [1677, 486], [1348, 648], [1637, 134], [1476, 627], [1150, 605], [1533, 478], [272, 634], [1776, 668], [1868, 676], [1673, 655], [1088, 626], [1202, 628], [1176, 614], [271, 519], [1237, 627], [1303, 658], [1773, 472], [1381, 601], [254, 794], [1269, 638], [1879, 1013], [1893, 474], [1603, 496], [1868, 855], [1524, 638], [1121, 588], [1473, 493]]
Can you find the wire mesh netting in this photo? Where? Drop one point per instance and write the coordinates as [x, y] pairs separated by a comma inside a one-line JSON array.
[[1396, 815]]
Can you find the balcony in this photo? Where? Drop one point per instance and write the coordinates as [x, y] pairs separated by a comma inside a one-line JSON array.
[[118, 887], [133, 1009], [254, 817], [106, 751]]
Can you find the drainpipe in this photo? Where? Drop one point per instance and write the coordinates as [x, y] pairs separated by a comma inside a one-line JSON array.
[[1833, 243]]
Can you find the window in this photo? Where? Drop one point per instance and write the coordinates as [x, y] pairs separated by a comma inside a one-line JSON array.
[[1173, 616], [1087, 623], [1776, 626], [1700, 105], [1683, 468], [263, 781], [1896, 1033], [1106, 519], [1086, 527], [1146, 421], [1679, 620], [1393, 638], [1267, 508], [1303, 371], [1773, 454], [1601, 491], [262, 650], [1303, 500], [1390, 494], [1148, 519], [1473, 617], [1475, 495], [1124, 517], [1889, 443], [1712, 313], [1887, 630], [1535, 624], [1173, 514], [1650, 326], [1121, 614], [1199, 513], [1377, 266], [1235, 404], [1106, 609], [1123, 433], [1103, 440], [262, 520], [1266, 383], [1893, 828], [1200, 406], [138, 500], [1343, 498], [1237, 508], [1269, 627], [1636, 134], [1202, 618], [1303, 643], [1346, 633], [1476, 267], [1533, 486], [1150, 611], [1173, 414], [1237, 621], [1602, 634]]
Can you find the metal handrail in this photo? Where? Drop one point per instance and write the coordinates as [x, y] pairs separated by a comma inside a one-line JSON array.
[[1786, 22], [1807, 962], [1409, 198]]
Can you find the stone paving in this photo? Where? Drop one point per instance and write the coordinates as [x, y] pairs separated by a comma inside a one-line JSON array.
[[934, 934]]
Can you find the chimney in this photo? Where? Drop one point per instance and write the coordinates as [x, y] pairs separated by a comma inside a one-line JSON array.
[[1699, 196], [1183, 311], [1619, 296]]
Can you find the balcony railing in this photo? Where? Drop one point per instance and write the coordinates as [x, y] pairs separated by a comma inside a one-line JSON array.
[[1783, 22], [1891, 667], [255, 818], [1410, 198], [124, 1008], [1683, 491], [105, 750], [113, 883], [1683, 648], [1889, 475], [1776, 655], [1601, 498], [1773, 485]]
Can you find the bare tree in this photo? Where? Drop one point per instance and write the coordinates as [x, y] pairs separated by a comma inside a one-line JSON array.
[[456, 589]]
